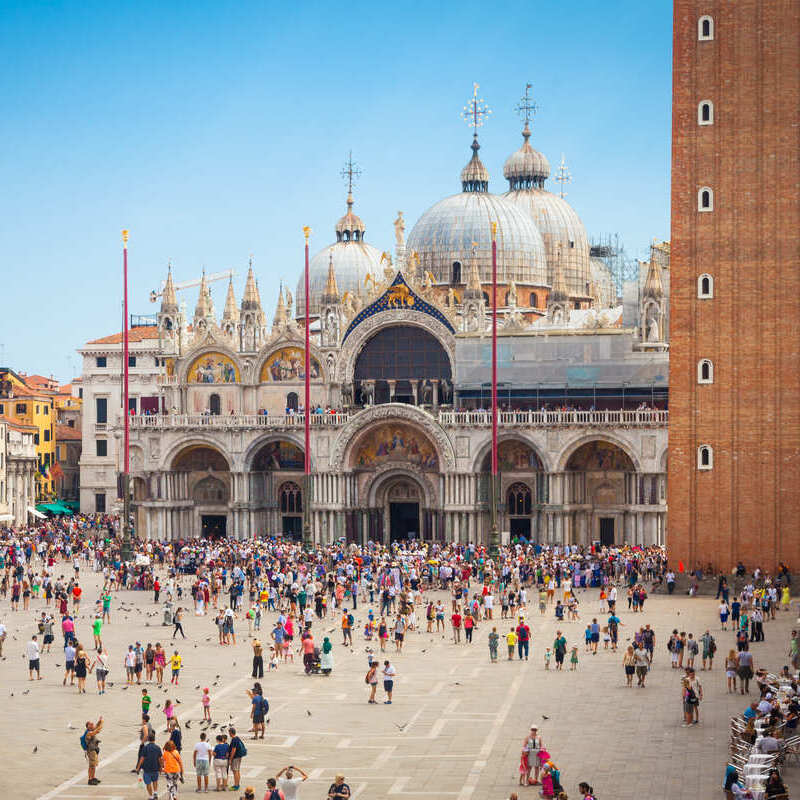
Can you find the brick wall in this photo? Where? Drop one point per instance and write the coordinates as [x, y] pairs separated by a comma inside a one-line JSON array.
[[748, 506]]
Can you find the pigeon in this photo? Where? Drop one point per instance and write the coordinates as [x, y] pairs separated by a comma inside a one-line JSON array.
[[58, 665], [12, 694], [124, 688], [188, 723], [70, 726], [197, 687], [27, 691], [177, 702], [36, 749], [308, 712], [215, 725], [544, 717], [402, 727]]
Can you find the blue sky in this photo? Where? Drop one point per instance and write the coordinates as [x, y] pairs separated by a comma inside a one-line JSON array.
[[213, 130]]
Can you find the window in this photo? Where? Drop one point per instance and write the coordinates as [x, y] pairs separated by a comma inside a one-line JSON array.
[[131, 361], [705, 29], [518, 500], [131, 405], [47, 436], [46, 410], [534, 301], [36, 438], [2, 410], [705, 287], [705, 457], [102, 448], [22, 408], [705, 371], [80, 393], [100, 361], [705, 199], [291, 499], [37, 409], [101, 409], [705, 113], [455, 272], [100, 503]]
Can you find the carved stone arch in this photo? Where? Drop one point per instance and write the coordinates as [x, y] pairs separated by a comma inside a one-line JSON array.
[[345, 365], [392, 412], [610, 438], [256, 446], [511, 436], [195, 441], [388, 473], [274, 345], [663, 460], [210, 344]]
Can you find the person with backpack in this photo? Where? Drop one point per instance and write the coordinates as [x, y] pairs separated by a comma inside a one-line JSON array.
[[151, 762], [709, 648], [236, 752], [90, 744], [347, 628], [259, 710]]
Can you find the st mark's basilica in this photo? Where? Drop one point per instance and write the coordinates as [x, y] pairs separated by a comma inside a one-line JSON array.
[[400, 385]]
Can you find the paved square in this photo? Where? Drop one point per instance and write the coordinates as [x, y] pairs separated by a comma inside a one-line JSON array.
[[454, 730]]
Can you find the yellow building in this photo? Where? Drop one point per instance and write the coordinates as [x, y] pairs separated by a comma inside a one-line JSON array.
[[30, 401]]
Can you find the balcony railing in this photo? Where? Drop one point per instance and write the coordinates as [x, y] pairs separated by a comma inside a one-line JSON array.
[[551, 419], [165, 421]]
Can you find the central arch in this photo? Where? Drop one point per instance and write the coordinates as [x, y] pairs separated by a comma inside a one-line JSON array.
[[400, 500]]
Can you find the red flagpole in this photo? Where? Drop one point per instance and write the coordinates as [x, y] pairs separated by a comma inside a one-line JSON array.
[[306, 233], [494, 349], [125, 359]]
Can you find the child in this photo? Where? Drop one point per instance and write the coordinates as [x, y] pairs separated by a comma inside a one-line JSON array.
[[273, 658], [146, 700], [368, 630], [547, 655], [602, 601], [587, 637], [573, 659], [206, 702], [511, 641], [606, 637], [169, 712], [175, 662]]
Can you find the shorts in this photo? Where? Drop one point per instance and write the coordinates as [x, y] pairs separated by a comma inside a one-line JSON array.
[[595, 637], [221, 768], [48, 639], [641, 672], [388, 686], [149, 777], [33, 664], [202, 768], [629, 670], [101, 674], [93, 757], [688, 708], [398, 637], [69, 666], [236, 764]]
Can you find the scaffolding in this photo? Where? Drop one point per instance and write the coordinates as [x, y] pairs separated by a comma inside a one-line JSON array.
[[611, 251]]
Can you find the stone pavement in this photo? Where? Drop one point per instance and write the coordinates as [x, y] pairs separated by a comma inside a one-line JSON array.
[[454, 730]]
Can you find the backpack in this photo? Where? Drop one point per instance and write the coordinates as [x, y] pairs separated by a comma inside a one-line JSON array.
[[241, 750], [264, 706], [712, 646], [350, 620], [83, 741]]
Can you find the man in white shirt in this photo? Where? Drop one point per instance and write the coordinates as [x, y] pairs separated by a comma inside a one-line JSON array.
[[288, 785], [32, 649], [201, 758], [389, 675]]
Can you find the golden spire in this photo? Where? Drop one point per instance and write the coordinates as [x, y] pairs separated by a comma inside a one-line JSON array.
[[250, 299], [280, 309], [231, 312], [168, 296], [331, 293], [654, 284]]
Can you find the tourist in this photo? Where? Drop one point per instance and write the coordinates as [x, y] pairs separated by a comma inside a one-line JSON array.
[[494, 638], [151, 762], [744, 669], [455, 621], [371, 679], [523, 632], [177, 620], [236, 752], [695, 696], [259, 708], [81, 668], [389, 677], [258, 659], [560, 650], [201, 759], [339, 790], [221, 751], [511, 642], [642, 664], [101, 666], [629, 663], [326, 656], [289, 783], [32, 651], [173, 768], [709, 648], [91, 746], [731, 667]]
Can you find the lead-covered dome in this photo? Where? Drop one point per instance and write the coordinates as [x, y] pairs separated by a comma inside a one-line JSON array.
[[561, 228], [352, 258], [456, 232]]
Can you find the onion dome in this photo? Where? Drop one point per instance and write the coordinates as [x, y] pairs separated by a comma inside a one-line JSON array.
[[455, 233], [526, 171], [354, 259], [526, 168]]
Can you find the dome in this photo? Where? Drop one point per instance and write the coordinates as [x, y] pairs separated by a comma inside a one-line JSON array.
[[526, 168], [352, 260], [447, 233]]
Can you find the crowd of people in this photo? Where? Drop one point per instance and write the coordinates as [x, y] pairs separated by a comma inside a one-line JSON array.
[[235, 583]]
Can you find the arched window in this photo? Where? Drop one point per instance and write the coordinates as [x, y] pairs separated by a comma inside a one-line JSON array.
[[487, 299], [214, 404], [291, 499], [705, 29], [705, 113], [455, 273], [705, 287], [518, 500], [705, 457], [534, 301], [705, 371], [705, 199], [291, 401]]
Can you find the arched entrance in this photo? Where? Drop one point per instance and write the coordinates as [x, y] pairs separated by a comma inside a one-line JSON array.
[[276, 466], [214, 404], [601, 479], [204, 478], [291, 508]]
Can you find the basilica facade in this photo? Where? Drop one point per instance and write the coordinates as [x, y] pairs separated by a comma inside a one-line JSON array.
[[400, 365]]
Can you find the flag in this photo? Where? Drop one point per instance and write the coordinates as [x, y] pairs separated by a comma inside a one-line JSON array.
[[56, 471], [680, 566]]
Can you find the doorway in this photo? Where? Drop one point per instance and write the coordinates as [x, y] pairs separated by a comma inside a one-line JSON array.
[[214, 526], [520, 526], [403, 521], [292, 527], [292, 402], [606, 531], [214, 404]]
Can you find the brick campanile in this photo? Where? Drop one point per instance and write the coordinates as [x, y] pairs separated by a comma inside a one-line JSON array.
[[735, 292]]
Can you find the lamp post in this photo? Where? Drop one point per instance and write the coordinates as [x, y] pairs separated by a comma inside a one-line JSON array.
[[308, 541], [126, 553], [494, 537]]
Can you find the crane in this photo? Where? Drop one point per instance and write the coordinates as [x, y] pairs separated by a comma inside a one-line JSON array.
[[214, 276]]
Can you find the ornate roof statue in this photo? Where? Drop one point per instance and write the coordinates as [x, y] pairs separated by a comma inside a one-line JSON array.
[[331, 293], [231, 312], [654, 284], [169, 300]]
